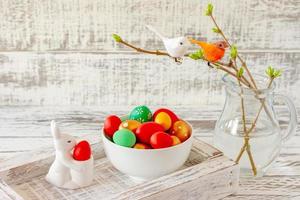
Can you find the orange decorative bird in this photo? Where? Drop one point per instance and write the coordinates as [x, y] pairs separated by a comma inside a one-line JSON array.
[[213, 52]]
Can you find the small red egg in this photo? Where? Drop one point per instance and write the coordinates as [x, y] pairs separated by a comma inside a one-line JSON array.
[[161, 140], [175, 140], [111, 125], [141, 146], [182, 130], [82, 151], [163, 119], [173, 116], [130, 125], [146, 130]]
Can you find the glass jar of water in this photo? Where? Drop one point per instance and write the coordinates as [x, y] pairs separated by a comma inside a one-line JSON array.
[[256, 143]]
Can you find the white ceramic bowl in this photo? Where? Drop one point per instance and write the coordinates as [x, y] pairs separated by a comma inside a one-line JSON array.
[[146, 164]]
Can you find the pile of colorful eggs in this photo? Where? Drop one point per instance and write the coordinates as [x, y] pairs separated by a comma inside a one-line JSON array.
[[142, 130]]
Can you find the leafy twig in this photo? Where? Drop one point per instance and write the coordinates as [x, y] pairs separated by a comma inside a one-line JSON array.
[[246, 145], [120, 40], [217, 29], [272, 73], [197, 55]]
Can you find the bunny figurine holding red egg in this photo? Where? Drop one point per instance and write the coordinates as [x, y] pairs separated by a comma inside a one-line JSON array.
[[73, 166]]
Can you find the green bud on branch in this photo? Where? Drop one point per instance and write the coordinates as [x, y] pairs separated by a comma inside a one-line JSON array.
[[233, 52], [273, 73], [117, 38], [216, 30], [240, 72], [209, 9], [197, 55]]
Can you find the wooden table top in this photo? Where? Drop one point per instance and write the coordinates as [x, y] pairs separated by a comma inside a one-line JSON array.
[[26, 128]]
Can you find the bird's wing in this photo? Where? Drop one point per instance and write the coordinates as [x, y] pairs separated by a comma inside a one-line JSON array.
[[214, 53]]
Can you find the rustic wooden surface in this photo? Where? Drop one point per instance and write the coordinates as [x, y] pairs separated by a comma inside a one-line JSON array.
[[205, 168], [280, 182], [58, 61]]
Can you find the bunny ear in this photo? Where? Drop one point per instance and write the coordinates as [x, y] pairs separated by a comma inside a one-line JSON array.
[[54, 129]]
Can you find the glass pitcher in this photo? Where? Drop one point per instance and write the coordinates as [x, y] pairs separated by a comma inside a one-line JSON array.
[[264, 136]]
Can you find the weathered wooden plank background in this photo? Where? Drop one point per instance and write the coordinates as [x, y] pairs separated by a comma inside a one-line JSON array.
[[87, 25], [58, 61], [61, 52]]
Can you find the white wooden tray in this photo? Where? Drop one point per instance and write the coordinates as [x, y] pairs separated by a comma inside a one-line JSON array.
[[206, 175]]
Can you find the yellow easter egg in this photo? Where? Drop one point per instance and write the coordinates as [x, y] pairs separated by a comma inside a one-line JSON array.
[[141, 146], [175, 140], [163, 119], [130, 125]]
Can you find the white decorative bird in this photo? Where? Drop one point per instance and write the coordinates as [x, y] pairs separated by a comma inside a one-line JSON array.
[[176, 47]]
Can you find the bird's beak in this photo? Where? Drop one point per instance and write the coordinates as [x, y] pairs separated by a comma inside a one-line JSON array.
[[226, 45]]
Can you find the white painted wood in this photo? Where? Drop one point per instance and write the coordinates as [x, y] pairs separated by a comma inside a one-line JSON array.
[[214, 180], [88, 25], [89, 79], [205, 164]]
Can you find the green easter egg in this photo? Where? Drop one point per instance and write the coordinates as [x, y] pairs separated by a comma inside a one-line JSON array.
[[141, 114], [124, 137]]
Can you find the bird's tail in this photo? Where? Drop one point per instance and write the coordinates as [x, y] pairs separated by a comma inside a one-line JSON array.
[[200, 43], [151, 28]]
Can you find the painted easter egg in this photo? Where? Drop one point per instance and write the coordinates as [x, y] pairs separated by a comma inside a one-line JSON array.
[[146, 130], [163, 119], [161, 140], [82, 151], [124, 137], [141, 146], [173, 116], [182, 130], [111, 125], [141, 114], [130, 125], [175, 140]]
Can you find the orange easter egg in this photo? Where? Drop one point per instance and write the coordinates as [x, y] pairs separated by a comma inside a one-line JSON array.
[[175, 140], [130, 125], [182, 130], [163, 119]]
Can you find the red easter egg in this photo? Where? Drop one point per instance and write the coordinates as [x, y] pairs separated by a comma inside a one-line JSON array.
[[146, 130], [82, 151], [161, 140], [111, 125], [172, 115]]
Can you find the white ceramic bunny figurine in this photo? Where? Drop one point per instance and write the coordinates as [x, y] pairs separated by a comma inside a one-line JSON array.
[[65, 172]]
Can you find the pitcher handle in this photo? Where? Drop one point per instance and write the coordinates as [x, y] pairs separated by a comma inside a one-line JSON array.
[[291, 130]]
